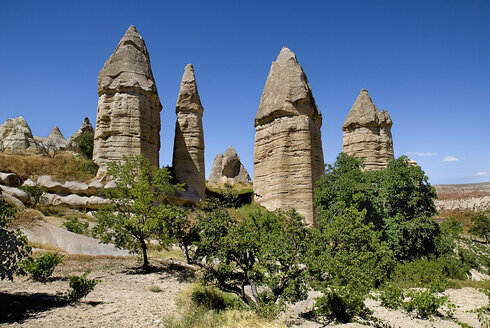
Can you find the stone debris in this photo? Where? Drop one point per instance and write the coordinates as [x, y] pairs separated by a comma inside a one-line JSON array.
[[288, 155], [188, 156], [229, 169], [367, 133], [72, 143], [128, 112], [16, 136]]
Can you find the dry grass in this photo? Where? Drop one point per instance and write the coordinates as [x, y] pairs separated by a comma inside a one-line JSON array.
[[41, 248], [462, 216], [64, 167]]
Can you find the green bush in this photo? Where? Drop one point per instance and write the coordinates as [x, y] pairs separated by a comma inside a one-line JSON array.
[[341, 304], [76, 226], [34, 192], [392, 297], [42, 267], [81, 286], [424, 303], [211, 298], [86, 165], [86, 144], [481, 226]]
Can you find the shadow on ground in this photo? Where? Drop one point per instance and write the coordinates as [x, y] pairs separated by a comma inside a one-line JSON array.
[[181, 273], [21, 306]]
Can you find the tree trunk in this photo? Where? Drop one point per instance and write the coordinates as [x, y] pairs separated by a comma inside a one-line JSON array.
[[145, 256]]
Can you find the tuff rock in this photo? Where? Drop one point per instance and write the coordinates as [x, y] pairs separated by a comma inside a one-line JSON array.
[[229, 169], [72, 143], [128, 111], [55, 137], [288, 155], [367, 133], [16, 136], [188, 156]]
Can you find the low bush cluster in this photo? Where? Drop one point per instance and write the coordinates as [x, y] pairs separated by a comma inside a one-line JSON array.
[[42, 267], [81, 286]]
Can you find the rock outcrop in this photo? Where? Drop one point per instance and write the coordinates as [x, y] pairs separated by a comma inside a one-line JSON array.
[[55, 138], [367, 133], [10, 179], [72, 143], [69, 187], [16, 136], [188, 157], [229, 169], [288, 155], [128, 112]]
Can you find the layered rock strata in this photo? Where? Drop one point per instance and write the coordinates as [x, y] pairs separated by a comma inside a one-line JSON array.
[[16, 135], [188, 157], [288, 155], [128, 112], [367, 133], [229, 169]]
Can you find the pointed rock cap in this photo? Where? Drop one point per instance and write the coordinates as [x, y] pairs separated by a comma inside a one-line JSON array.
[[365, 113], [231, 163], [128, 68], [56, 134], [188, 98], [287, 91], [86, 126]]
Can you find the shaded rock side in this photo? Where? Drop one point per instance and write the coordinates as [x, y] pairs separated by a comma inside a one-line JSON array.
[[188, 156], [16, 135], [288, 155], [367, 133], [128, 111], [55, 137], [72, 142], [229, 169]]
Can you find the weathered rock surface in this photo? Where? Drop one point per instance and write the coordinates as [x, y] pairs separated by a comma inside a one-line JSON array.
[[74, 201], [474, 204], [288, 155], [69, 187], [10, 179], [72, 143], [15, 192], [229, 169], [367, 133], [55, 137], [188, 157], [16, 136], [128, 112]]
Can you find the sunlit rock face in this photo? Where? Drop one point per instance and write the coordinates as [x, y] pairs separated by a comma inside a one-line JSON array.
[[367, 133], [188, 157], [16, 136], [128, 112], [288, 155], [229, 169]]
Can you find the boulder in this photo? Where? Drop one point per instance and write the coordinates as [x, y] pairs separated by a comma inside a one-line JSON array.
[[367, 133], [10, 179], [72, 142], [15, 192], [16, 136], [128, 111], [188, 157], [229, 169], [288, 155], [74, 201], [68, 187]]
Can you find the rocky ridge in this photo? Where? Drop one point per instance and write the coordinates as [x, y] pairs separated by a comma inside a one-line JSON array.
[[229, 169]]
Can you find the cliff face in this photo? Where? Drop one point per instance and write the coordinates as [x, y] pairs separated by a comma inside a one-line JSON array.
[[288, 155], [128, 112], [367, 133]]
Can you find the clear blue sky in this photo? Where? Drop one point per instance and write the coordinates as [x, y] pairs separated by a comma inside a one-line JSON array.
[[426, 62]]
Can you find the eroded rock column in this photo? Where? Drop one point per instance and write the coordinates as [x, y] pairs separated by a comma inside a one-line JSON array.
[[128, 112], [288, 155]]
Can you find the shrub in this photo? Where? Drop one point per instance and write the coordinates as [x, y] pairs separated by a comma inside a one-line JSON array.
[[211, 298], [481, 226], [34, 192], [76, 226], [13, 245], [87, 165], [42, 267], [392, 297], [424, 303], [86, 144], [341, 304], [81, 286]]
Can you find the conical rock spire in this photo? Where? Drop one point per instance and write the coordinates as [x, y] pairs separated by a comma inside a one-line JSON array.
[[288, 155], [188, 157], [367, 133]]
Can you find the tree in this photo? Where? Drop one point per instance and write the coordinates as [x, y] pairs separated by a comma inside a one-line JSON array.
[[86, 144], [13, 245], [481, 226], [140, 207], [48, 148]]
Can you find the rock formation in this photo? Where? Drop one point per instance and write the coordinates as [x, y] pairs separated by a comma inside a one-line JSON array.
[[128, 112], [16, 136], [229, 169], [367, 133], [188, 157], [72, 143], [55, 138], [288, 155]]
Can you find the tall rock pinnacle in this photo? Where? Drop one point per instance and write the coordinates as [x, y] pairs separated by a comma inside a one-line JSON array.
[[367, 133], [288, 155], [188, 158], [128, 112]]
